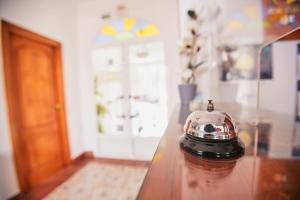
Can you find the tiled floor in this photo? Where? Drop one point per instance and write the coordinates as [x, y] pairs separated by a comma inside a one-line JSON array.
[[52, 182]]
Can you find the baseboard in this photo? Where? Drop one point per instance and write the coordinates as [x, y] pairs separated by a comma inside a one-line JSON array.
[[89, 155], [85, 155], [136, 163]]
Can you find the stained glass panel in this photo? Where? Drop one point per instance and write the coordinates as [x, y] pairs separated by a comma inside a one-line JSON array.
[[125, 29]]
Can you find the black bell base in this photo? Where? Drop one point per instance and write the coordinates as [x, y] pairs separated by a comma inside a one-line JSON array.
[[212, 149]]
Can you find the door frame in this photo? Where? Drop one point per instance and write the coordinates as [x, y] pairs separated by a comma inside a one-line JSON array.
[[18, 152]]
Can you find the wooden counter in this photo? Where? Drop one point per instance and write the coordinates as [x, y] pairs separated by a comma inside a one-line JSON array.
[[270, 168]]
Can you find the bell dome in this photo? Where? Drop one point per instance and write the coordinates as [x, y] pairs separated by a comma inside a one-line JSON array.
[[210, 124]]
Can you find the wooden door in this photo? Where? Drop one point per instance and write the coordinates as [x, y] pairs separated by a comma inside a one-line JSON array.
[[34, 88]]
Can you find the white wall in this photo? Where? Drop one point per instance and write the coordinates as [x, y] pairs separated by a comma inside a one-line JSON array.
[[229, 8], [162, 13], [55, 19]]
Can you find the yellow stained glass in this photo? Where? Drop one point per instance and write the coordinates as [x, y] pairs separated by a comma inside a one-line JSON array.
[[234, 24], [128, 23], [127, 28], [252, 12], [109, 30], [149, 30]]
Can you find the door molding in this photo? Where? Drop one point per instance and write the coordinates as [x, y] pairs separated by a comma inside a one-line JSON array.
[[18, 151]]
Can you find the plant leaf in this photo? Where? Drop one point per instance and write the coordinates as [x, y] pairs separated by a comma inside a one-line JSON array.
[[199, 64]]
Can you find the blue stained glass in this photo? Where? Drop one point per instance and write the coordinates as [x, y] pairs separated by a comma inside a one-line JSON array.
[[239, 16], [118, 25], [140, 24]]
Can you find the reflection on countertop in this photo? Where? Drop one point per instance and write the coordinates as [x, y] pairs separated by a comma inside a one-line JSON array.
[[268, 170]]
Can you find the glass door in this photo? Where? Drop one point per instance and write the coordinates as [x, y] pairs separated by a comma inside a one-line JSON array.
[[109, 90], [148, 109], [130, 91]]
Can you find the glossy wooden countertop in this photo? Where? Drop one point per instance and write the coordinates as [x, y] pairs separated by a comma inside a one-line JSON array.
[[270, 168]]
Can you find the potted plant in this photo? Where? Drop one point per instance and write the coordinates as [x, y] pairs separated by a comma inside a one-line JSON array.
[[189, 50], [101, 109]]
